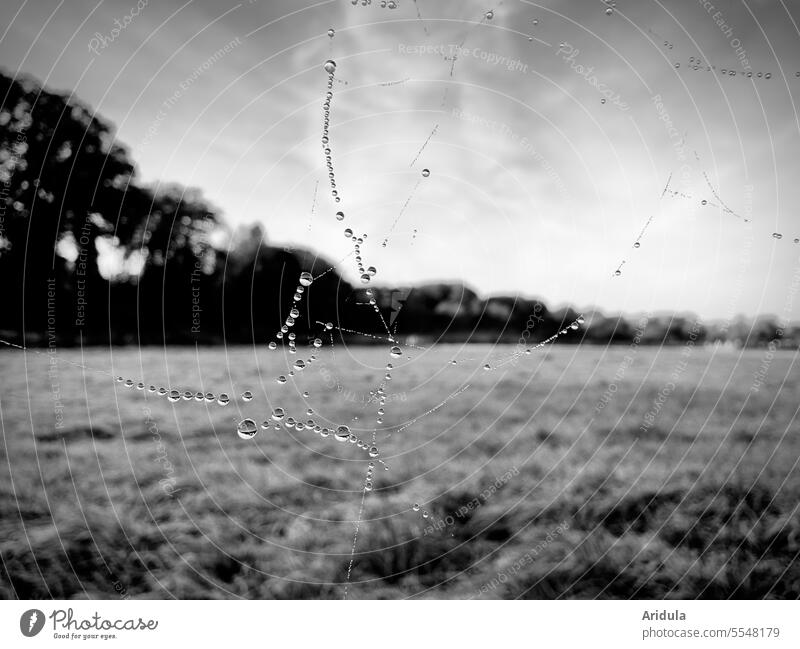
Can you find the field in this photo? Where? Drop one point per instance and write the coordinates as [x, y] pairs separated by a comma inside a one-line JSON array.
[[682, 484]]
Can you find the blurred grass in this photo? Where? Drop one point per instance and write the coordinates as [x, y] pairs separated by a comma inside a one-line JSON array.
[[701, 504]]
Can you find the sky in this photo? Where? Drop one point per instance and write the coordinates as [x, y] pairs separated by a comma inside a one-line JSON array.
[[536, 187]]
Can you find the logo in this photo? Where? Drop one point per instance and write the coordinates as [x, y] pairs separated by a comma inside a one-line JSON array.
[[399, 297], [31, 622]]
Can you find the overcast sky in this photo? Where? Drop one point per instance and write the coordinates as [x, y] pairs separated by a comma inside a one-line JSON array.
[[536, 186]]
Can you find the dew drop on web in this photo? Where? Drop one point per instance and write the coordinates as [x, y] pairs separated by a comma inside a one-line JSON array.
[[247, 429]]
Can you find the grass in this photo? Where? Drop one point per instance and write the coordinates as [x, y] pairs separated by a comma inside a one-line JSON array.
[[700, 503]]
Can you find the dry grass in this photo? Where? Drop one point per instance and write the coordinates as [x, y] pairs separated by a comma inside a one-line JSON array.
[[701, 504]]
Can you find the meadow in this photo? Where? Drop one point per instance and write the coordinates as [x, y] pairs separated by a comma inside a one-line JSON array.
[[574, 473]]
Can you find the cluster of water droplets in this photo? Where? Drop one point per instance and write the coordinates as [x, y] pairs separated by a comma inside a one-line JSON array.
[[383, 4], [330, 68], [304, 282], [174, 395]]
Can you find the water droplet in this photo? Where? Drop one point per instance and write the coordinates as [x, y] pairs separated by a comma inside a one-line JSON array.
[[273, 345], [372, 271], [247, 429], [348, 233], [603, 100], [306, 278], [777, 235], [415, 507], [535, 21], [330, 66], [331, 33], [426, 173], [281, 379], [704, 202], [424, 514], [617, 272], [174, 396], [129, 383], [187, 396], [489, 15], [342, 434], [637, 245], [140, 386], [247, 395], [365, 278], [609, 11], [367, 486], [580, 320], [223, 399], [278, 414], [487, 367], [373, 451], [395, 352], [328, 326]]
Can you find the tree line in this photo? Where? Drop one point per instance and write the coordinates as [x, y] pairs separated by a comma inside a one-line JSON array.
[[90, 255]]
